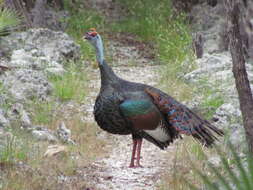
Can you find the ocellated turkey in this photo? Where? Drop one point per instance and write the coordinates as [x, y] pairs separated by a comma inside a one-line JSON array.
[[124, 108]]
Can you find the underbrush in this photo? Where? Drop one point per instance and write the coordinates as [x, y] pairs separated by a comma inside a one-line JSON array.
[[158, 24], [153, 23]]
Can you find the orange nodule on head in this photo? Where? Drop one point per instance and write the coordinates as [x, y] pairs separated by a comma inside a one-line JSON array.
[[92, 32]]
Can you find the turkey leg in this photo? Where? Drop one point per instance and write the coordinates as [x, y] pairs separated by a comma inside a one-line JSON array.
[[139, 143], [133, 153]]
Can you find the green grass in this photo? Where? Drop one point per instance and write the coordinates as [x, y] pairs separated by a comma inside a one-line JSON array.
[[212, 97], [210, 105], [13, 150], [72, 84], [150, 21], [156, 23], [42, 112], [8, 99]]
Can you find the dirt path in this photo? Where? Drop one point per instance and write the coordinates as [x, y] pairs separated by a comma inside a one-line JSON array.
[[112, 172]]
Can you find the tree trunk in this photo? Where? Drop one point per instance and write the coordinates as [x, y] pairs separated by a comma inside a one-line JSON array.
[[198, 44], [234, 12], [39, 13]]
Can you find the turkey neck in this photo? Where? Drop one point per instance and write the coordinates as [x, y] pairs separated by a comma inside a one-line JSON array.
[[106, 73]]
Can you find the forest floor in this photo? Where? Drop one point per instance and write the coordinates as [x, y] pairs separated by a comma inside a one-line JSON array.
[[112, 171]]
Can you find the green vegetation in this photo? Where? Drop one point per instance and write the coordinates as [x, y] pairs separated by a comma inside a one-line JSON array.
[[157, 23], [210, 105], [42, 112], [212, 98], [12, 151], [16, 146], [153, 23], [193, 171], [234, 172], [8, 19], [72, 84], [8, 100]]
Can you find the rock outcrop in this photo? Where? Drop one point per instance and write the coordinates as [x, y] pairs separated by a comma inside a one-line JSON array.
[[31, 57]]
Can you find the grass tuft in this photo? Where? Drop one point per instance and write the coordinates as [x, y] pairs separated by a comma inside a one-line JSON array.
[[210, 105], [12, 151], [71, 85], [212, 97], [42, 112]]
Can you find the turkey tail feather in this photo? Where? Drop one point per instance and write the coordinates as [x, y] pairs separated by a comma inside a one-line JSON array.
[[183, 120]]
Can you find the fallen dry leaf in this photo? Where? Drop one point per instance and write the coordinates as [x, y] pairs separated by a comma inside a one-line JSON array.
[[53, 150]]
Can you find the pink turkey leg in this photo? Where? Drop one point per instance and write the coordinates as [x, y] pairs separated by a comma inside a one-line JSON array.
[[139, 143], [133, 154]]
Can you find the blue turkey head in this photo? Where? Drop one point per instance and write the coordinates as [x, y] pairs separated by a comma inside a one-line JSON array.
[[92, 37]]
